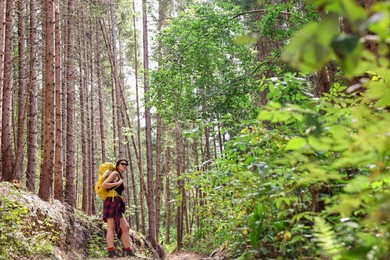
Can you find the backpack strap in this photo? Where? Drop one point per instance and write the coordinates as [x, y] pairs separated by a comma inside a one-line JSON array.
[[115, 194]]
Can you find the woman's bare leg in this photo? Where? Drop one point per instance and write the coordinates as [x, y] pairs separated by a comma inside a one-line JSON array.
[[110, 232], [125, 233]]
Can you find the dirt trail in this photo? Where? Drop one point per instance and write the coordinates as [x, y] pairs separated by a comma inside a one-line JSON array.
[[182, 255]]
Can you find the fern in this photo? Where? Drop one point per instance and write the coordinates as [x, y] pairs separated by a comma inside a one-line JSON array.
[[326, 239]]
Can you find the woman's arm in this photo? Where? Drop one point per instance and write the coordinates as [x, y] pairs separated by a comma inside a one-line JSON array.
[[107, 183]]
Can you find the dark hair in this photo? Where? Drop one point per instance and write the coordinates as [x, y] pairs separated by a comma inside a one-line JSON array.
[[117, 165]]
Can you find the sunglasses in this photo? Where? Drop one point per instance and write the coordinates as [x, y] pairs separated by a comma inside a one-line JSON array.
[[125, 164]]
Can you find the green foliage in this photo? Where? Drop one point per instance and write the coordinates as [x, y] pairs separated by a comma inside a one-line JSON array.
[[203, 74], [309, 177], [326, 238], [318, 43], [19, 237], [96, 246], [280, 21], [289, 88]]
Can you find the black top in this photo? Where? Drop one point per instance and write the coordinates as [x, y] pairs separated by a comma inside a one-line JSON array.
[[119, 189]]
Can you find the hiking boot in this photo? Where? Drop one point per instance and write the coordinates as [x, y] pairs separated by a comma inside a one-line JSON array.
[[128, 253], [111, 253]]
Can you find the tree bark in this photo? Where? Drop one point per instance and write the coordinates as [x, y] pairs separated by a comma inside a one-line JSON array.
[[22, 80], [70, 196], [93, 177], [179, 209], [167, 197], [2, 43], [158, 172], [6, 136], [32, 118], [46, 183], [100, 96], [2, 39], [197, 191], [116, 81], [162, 9], [139, 156], [131, 169], [83, 113], [184, 196], [58, 170], [148, 132]]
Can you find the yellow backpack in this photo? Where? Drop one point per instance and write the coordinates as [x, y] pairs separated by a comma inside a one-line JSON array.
[[104, 170]]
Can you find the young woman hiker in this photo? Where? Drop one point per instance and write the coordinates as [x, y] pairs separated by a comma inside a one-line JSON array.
[[113, 209]]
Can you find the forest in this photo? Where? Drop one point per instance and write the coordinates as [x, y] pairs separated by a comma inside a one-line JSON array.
[[254, 129]]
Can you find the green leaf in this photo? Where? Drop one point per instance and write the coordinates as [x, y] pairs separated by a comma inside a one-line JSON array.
[[347, 204], [338, 132], [245, 40], [358, 184], [348, 51], [355, 13], [283, 202], [317, 145], [274, 105], [379, 90], [309, 50], [296, 143], [299, 216], [344, 45], [265, 115], [326, 238], [379, 22]]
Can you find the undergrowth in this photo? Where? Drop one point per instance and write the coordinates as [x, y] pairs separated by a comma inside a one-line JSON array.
[[22, 237]]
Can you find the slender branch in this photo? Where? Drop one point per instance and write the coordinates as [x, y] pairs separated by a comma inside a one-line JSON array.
[[257, 11]]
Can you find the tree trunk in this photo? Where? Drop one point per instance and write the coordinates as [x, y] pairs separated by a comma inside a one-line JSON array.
[[215, 147], [46, 183], [162, 8], [220, 139], [139, 156], [70, 196], [134, 186], [131, 169], [41, 93], [207, 153], [184, 195], [158, 173], [179, 210], [2, 34], [197, 192], [63, 40], [32, 118], [323, 82], [58, 180], [6, 136], [93, 177], [167, 197], [22, 65], [100, 96], [83, 114], [118, 120], [148, 132], [114, 115]]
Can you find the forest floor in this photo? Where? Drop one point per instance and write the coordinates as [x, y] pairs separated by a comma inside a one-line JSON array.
[[182, 255]]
